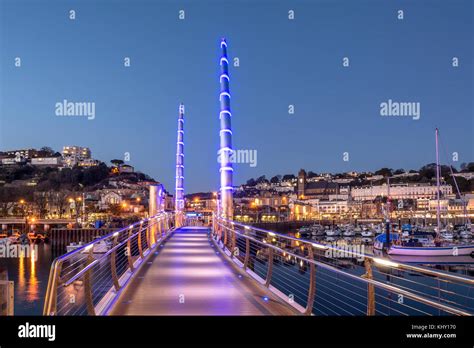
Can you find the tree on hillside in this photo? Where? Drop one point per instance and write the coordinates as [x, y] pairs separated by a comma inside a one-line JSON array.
[[467, 167], [41, 200], [251, 182], [384, 171], [262, 180], [288, 177], [276, 179], [117, 162]]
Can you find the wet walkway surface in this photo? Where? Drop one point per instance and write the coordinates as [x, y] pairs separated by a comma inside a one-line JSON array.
[[188, 277]]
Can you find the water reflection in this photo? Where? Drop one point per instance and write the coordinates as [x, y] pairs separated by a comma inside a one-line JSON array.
[[28, 283], [29, 271]]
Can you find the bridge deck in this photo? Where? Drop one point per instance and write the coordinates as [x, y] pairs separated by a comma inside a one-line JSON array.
[[187, 277]]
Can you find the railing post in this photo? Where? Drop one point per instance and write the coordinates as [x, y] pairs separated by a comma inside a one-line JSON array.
[[50, 306], [159, 228], [270, 267], [232, 237], [224, 229], [88, 284], [247, 252], [312, 282], [139, 241], [129, 249], [113, 264], [370, 287], [147, 235], [10, 298]]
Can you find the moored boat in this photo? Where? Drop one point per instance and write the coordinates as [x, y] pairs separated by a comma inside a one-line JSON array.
[[441, 245], [434, 250], [348, 233]]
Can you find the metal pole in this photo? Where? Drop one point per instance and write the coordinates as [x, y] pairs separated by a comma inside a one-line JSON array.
[[225, 150], [179, 196], [437, 188]]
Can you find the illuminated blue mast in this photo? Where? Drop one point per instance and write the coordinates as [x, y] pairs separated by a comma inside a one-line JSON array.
[[179, 197], [225, 150]]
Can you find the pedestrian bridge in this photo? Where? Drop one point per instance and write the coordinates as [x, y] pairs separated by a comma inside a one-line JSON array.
[[158, 266]]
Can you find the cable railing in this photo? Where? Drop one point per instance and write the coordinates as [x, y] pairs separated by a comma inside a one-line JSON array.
[[91, 278], [323, 279]]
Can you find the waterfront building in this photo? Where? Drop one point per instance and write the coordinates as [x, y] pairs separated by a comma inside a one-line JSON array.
[[201, 202], [73, 155], [89, 162], [23, 153], [125, 168], [47, 161], [317, 189], [13, 161], [400, 191]]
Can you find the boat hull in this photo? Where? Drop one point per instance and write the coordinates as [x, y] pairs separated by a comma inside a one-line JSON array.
[[432, 251]]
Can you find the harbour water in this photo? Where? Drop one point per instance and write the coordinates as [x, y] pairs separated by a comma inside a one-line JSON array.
[[30, 276]]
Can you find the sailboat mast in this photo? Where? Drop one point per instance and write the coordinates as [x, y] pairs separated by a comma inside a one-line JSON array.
[[437, 186]]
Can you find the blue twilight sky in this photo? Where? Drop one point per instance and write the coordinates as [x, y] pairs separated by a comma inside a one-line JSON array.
[[282, 62]]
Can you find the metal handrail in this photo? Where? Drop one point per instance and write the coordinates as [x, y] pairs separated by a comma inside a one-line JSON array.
[[67, 269], [229, 226]]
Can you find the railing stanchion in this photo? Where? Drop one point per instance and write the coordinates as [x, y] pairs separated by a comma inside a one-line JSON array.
[[88, 284], [370, 287], [139, 241], [312, 282], [232, 238], [225, 234], [129, 249], [159, 228], [50, 307], [270, 267], [247, 253], [147, 235], [113, 265]]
